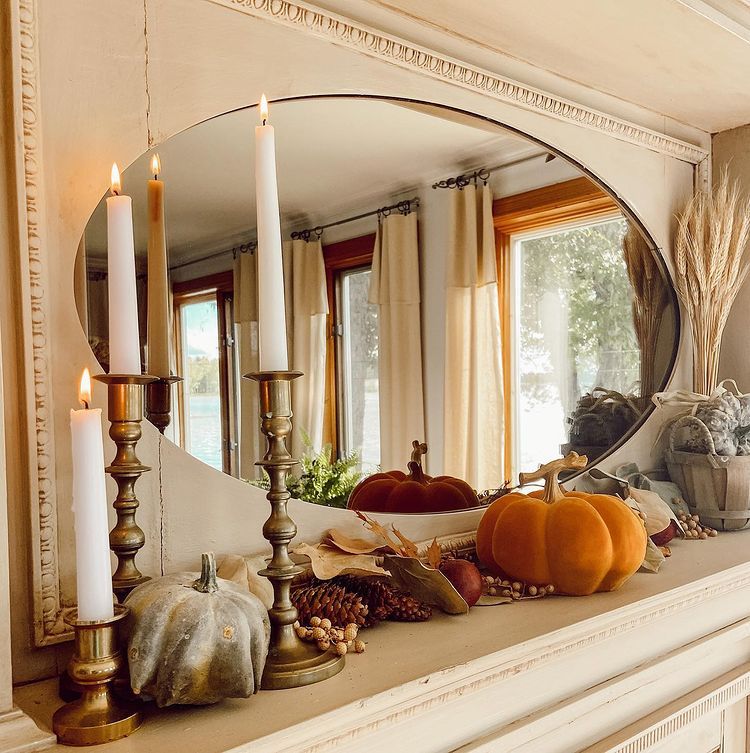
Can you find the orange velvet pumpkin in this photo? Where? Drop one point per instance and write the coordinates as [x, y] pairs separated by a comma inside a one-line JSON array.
[[578, 542], [396, 491]]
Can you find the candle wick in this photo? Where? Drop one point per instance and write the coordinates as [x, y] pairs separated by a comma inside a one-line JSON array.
[[265, 120], [85, 404]]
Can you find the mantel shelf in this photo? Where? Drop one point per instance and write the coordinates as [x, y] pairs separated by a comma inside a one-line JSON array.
[[414, 671]]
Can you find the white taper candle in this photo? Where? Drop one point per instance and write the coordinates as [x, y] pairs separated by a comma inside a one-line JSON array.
[[271, 310], [124, 338], [93, 567]]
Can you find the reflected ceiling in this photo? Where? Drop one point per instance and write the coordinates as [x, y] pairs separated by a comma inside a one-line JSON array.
[[322, 144]]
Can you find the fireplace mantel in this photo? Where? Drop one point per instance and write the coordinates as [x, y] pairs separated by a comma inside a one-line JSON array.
[[667, 655]]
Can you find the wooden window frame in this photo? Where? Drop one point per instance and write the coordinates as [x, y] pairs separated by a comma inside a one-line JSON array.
[[221, 286], [569, 201], [344, 256]]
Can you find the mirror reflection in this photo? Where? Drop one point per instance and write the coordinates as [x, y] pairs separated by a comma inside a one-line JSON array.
[[446, 280]]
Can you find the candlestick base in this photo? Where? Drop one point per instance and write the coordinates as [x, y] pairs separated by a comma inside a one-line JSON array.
[[291, 663], [97, 716], [159, 401], [125, 413], [294, 666]]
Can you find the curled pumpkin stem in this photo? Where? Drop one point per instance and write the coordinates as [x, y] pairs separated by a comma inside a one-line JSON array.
[[416, 472], [418, 452], [550, 473]]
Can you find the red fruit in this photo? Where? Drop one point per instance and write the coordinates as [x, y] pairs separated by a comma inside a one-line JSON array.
[[465, 578], [662, 538]]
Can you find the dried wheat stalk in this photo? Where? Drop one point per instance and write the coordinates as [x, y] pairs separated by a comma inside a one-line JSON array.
[[712, 235], [650, 299]]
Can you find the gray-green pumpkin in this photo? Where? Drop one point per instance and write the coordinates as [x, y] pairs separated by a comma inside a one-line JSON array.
[[195, 641]]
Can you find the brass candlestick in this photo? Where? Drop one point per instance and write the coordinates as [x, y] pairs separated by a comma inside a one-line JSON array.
[[97, 716], [125, 413], [291, 663], [159, 401]]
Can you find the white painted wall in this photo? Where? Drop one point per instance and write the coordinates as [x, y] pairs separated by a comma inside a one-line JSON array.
[[731, 150]]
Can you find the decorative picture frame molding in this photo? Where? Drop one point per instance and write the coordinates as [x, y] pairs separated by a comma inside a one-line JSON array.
[[396, 51], [38, 437], [49, 627]]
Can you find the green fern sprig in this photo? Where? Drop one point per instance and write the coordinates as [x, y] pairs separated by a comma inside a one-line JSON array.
[[323, 480]]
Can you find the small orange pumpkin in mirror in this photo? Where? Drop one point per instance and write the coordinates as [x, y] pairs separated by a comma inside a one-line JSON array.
[[398, 492], [579, 542]]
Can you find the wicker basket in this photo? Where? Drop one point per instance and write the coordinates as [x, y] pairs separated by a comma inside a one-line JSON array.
[[716, 487]]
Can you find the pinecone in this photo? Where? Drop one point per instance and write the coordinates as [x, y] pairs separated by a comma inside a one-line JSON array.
[[384, 601], [410, 609], [327, 599]]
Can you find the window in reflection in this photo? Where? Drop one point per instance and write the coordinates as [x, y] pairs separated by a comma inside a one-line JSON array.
[[200, 365], [358, 369], [572, 300]]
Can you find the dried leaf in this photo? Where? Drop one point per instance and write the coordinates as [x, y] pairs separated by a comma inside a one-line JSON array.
[[352, 544], [654, 557], [408, 547], [485, 600], [380, 531], [434, 554], [425, 584], [327, 563], [244, 572]]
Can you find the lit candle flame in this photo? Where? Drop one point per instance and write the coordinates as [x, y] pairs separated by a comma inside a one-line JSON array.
[[84, 391], [263, 109], [155, 166], [115, 180]]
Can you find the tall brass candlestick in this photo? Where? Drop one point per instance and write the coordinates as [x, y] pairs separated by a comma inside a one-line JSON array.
[[159, 401], [97, 716], [291, 663], [125, 413]]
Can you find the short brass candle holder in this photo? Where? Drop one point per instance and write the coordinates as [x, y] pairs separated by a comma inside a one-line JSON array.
[[125, 413], [97, 716], [291, 663], [159, 401]]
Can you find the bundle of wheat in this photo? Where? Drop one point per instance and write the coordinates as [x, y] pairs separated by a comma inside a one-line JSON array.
[[650, 299], [712, 234]]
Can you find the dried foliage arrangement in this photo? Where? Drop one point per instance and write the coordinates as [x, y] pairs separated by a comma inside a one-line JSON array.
[[650, 300], [712, 234]]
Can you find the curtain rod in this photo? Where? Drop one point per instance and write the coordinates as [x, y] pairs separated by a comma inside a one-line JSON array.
[[483, 173], [404, 207], [243, 248]]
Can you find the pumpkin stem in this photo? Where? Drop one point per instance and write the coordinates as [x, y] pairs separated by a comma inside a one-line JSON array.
[[207, 584], [550, 472], [416, 472], [419, 450]]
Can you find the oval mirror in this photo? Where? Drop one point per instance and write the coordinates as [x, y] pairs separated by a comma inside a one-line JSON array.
[[447, 280]]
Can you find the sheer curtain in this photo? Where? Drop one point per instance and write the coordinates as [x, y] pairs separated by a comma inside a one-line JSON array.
[[246, 339], [473, 361], [394, 286], [306, 311]]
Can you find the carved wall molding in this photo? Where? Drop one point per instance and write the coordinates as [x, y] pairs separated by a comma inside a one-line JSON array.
[[415, 700], [364, 39], [48, 624], [714, 701]]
